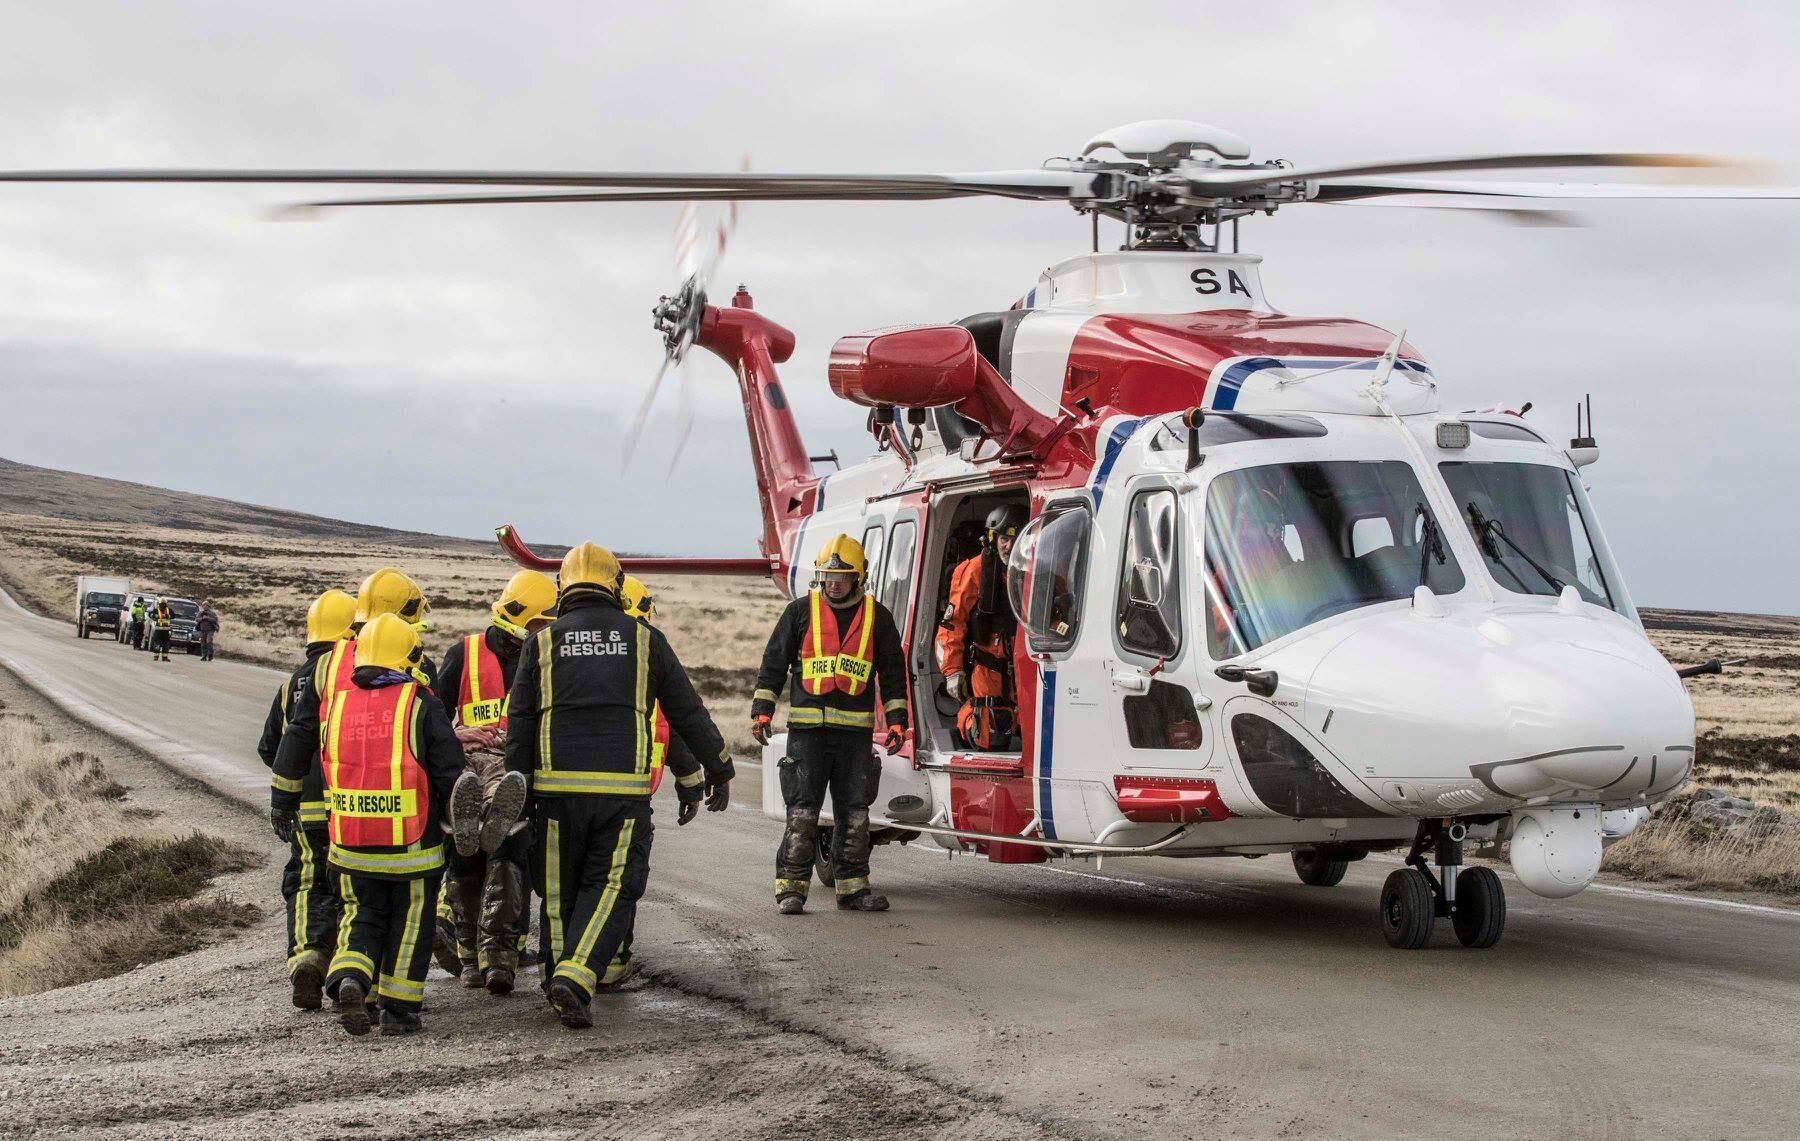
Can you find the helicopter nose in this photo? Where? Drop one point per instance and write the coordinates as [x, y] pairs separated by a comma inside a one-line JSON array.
[[1483, 711]]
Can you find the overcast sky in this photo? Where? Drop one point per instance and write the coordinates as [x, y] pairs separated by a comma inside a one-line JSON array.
[[448, 369]]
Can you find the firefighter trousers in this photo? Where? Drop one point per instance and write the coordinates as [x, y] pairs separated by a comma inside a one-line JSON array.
[[590, 861], [487, 904], [842, 762], [384, 937], [309, 891]]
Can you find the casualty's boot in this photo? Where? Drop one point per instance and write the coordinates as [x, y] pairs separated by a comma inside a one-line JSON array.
[[499, 981], [473, 977], [397, 1022], [502, 812], [791, 903], [864, 900], [353, 1014], [308, 977], [570, 1006], [443, 937], [465, 812]]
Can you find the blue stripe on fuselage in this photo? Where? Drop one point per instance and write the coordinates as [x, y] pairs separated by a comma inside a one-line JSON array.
[[1115, 443], [1225, 394], [1046, 738]]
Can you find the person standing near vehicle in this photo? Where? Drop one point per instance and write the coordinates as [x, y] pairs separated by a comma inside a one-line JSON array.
[[390, 759], [159, 636], [206, 626], [140, 617], [975, 639], [840, 645], [485, 886], [308, 889], [579, 725]]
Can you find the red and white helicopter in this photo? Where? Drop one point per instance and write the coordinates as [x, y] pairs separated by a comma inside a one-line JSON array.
[[1272, 597]]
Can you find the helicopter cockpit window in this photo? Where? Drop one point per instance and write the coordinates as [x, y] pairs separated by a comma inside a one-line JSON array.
[[896, 579], [1288, 545], [1149, 611], [1046, 575], [1530, 524]]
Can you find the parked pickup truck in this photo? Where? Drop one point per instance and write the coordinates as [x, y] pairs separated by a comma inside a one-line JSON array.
[[98, 604]]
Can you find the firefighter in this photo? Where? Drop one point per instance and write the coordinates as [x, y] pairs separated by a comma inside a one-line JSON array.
[[387, 591], [975, 638], [841, 646], [485, 885], [579, 724], [308, 890], [159, 636], [390, 760]]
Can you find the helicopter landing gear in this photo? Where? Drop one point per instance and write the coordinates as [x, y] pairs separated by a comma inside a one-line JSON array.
[[1414, 897], [1316, 869]]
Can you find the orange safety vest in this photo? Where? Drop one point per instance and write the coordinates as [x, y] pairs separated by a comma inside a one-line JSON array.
[[659, 746], [333, 678], [483, 700], [827, 665], [377, 789]]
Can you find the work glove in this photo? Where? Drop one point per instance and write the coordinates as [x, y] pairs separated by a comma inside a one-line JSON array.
[[283, 822], [718, 795], [957, 686], [896, 737], [761, 728], [690, 798]]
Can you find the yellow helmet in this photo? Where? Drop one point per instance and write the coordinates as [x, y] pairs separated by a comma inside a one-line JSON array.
[[528, 596], [843, 555], [634, 596], [390, 643], [390, 591], [590, 564], [328, 618]]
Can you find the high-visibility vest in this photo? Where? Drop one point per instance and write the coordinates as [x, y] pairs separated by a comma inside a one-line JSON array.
[[333, 678], [483, 699], [377, 789], [828, 663], [659, 746], [162, 617]]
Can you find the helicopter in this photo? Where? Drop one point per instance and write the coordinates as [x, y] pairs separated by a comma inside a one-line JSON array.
[[1272, 596]]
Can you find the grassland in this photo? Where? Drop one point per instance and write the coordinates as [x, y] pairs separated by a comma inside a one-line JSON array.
[[90, 885]]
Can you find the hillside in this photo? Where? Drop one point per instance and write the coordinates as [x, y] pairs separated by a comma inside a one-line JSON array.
[[29, 490]]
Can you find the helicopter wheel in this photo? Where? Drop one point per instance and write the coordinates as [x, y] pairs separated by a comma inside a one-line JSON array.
[[1316, 870], [822, 857], [1407, 909], [1480, 914]]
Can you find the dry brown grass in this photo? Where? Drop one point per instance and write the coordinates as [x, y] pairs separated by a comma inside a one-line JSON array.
[[90, 887], [1697, 857]]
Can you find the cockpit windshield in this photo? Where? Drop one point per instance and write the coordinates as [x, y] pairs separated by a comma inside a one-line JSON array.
[[1288, 545], [1530, 524]]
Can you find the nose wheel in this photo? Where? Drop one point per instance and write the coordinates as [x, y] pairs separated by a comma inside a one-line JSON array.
[[1415, 897]]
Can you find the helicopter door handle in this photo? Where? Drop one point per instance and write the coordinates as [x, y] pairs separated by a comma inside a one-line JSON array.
[[1132, 681], [1261, 682]]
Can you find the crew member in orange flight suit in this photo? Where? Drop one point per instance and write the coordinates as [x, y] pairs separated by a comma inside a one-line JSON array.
[[975, 637]]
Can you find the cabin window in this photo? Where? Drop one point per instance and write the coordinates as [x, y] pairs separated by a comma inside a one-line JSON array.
[[1528, 521], [896, 577], [1288, 545], [1164, 718], [1149, 610], [1046, 575], [872, 553]]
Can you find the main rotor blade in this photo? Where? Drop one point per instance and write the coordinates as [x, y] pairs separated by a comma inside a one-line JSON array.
[[1341, 191], [1518, 214], [1051, 184], [636, 431], [1228, 182], [846, 194]]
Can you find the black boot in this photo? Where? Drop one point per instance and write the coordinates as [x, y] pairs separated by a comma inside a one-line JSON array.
[[570, 1006], [309, 987], [352, 1013], [791, 904], [864, 900], [397, 1022]]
